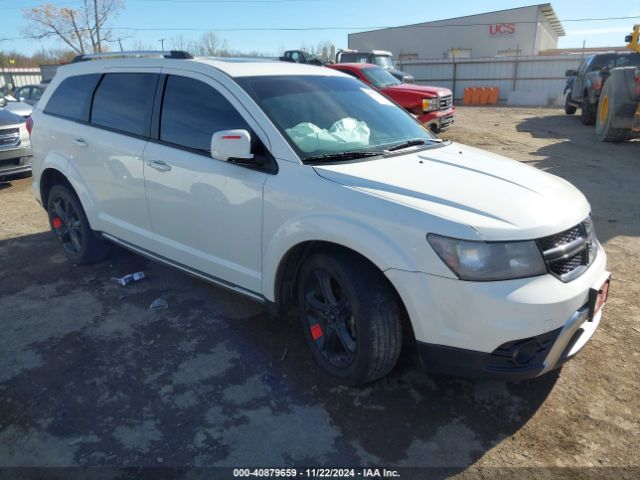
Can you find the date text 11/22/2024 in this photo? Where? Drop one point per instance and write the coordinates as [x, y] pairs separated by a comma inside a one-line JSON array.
[[316, 472]]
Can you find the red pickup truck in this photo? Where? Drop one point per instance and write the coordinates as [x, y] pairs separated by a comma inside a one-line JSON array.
[[432, 106]]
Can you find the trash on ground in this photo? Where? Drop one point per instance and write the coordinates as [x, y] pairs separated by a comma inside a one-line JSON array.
[[159, 304], [127, 279]]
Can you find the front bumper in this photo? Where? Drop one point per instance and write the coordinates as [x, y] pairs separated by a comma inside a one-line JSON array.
[[478, 327], [14, 161], [518, 359], [441, 119]]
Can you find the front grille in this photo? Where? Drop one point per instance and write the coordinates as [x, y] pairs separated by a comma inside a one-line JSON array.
[[568, 254], [9, 136], [446, 102]]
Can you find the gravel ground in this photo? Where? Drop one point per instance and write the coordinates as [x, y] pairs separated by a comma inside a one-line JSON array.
[[89, 376]]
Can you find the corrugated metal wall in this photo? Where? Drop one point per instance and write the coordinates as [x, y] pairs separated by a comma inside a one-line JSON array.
[[537, 80], [19, 77]]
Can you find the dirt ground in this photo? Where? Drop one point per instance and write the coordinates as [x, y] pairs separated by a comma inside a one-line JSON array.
[[89, 376]]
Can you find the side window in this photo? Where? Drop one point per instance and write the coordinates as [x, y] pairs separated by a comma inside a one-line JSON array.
[[22, 92], [123, 102], [72, 97], [192, 112], [36, 93]]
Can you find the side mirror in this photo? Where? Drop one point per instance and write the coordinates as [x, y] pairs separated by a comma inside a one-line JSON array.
[[570, 73], [22, 99], [232, 145]]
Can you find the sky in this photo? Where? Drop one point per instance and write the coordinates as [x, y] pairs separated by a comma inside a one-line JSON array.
[[336, 18]]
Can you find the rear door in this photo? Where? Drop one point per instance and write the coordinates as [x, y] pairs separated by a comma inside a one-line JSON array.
[[114, 142], [206, 213]]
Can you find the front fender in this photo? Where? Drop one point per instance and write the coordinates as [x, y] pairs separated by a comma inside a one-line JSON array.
[[372, 244]]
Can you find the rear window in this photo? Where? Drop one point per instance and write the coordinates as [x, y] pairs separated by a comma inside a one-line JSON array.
[[72, 97], [123, 102], [630, 60]]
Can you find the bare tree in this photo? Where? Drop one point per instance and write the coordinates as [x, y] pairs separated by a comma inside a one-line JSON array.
[[80, 29]]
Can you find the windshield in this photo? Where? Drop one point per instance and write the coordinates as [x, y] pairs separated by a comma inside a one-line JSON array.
[[383, 61], [379, 77], [322, 115]]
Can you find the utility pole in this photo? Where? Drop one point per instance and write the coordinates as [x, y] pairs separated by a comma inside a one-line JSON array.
[[120, 43], [162, 43], [95, 12]]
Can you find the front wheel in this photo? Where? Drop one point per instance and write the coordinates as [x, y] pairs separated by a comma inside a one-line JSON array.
[[569, 109], [68, 221], [587, 114], [351, 317]]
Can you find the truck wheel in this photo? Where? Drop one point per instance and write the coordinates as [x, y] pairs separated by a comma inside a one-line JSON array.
[[568, 108], [604, 119], [351, 317], [587, 114], [68, 221]]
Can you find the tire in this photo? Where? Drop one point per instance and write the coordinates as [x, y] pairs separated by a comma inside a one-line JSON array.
[[69, 223], [568, 108], [587, 114], [604, 118], [351, 317]]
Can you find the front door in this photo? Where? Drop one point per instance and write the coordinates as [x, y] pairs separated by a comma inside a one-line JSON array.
[[206, 214]]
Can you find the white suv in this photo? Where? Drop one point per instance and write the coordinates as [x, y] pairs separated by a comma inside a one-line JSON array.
[[303, 188]]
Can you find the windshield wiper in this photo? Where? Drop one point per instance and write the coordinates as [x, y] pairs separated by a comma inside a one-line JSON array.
[[344, 155], [412, 143]]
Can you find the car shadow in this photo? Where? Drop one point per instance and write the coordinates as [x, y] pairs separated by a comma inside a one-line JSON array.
[[90, 376], [593, 167]]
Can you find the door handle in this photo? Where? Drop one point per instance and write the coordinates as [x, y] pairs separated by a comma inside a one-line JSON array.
[[158, 165], [80, 142]]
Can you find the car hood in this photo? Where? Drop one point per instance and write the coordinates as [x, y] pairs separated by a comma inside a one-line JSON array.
[[420, 90], [499, 198]]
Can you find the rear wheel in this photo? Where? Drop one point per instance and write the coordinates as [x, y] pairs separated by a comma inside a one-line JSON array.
[[68, 221], [604, 119], [587, 113], [351, 317]]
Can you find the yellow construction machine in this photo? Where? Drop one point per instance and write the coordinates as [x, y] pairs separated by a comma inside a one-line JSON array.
[[618, 114]]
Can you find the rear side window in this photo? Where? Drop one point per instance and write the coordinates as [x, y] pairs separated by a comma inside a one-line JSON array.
[[72, 97], [123, 102], [192, 112]]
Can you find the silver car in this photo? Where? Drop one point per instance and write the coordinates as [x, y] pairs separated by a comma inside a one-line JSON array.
[[15, 144]]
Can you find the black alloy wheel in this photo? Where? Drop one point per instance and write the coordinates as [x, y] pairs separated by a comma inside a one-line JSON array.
[[330, 319], [66, 224], [68, 221], [351, 316]]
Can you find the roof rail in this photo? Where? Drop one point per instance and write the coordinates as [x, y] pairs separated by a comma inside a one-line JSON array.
[[177, 54]]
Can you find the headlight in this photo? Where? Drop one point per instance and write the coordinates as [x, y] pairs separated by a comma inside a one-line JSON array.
[[487, 261], [430, 104]]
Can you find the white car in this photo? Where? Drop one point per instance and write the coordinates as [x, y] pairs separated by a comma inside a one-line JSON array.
[[299, 186]]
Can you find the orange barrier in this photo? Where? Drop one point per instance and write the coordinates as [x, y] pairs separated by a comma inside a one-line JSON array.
[[481, 96]]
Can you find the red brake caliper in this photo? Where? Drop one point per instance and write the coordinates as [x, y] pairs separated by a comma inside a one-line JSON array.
[[56, 222], [316, 331]]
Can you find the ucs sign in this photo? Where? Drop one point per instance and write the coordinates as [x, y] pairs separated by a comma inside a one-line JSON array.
[[502, 29]]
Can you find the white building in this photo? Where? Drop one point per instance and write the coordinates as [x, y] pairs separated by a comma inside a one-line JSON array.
[[524, 30]]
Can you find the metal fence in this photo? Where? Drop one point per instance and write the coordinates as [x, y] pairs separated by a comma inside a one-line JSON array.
[[12, 78], [526, 80]]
